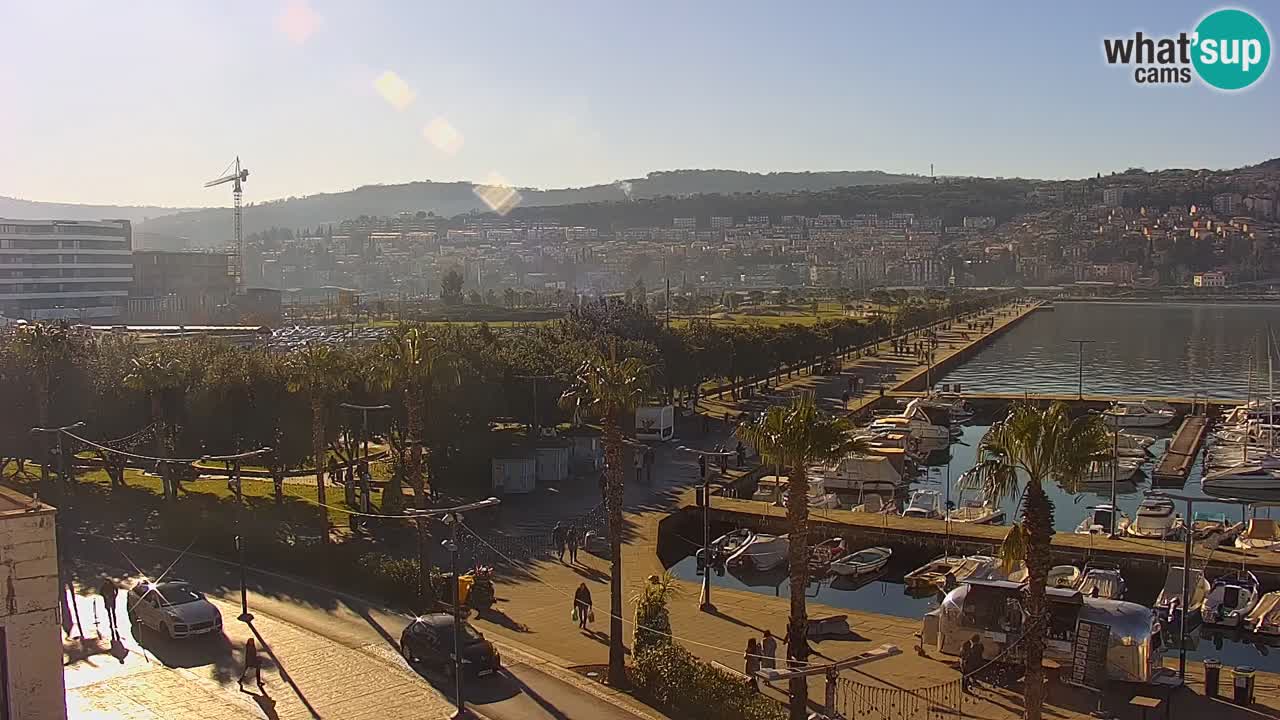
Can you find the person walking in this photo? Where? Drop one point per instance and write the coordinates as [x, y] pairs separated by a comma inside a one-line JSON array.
[[252, 663], [558, 539], [637, 458], [650, 459], [966, 664], [109, 593], [751, 658], [769, 649], [741, 451], [574, 537], [582, 605]]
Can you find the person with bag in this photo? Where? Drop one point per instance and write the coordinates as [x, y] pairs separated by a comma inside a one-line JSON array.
[[582, 606]]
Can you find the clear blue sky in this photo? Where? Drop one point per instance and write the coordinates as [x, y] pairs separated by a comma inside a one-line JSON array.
[[142, 101]]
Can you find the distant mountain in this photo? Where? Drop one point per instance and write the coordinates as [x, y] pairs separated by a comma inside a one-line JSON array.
[[212, 226], [34, 210]]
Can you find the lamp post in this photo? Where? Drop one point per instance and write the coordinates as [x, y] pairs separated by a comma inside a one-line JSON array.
[[235, 460], [453, 516], [364, 437], [704, 602], [1115, 469], [1080, 366]]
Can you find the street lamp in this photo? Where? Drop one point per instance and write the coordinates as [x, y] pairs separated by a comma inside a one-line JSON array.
[[1080, 366], [364, 436], [453, 516], [235, 460], [704, 602]]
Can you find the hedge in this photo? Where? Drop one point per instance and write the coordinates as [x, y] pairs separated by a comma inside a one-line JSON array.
[[674, 680]]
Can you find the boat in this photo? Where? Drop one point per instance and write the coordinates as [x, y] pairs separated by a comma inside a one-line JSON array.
[[727, 544], [1262, 534], [1141, 413], [1132, 441], [769, 488], [1102, 580], [929, 574], [979, 511], [762, 552], [1099, 519], [919, 427], [818, 497], [872, 503], [1169, 602], [823, 553], [871, 472], [1063, 576], [1231, 599], [861, 562], [1205, 523], [1259, 474], [1099, 472], [1156, 519], [1264, 619], [924, 504]]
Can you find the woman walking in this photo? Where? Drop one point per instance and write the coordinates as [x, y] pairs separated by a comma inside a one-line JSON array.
[[582, 605], [752, 659]]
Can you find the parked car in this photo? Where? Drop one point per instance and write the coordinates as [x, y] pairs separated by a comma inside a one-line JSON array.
[[173, 608], [429, 640]]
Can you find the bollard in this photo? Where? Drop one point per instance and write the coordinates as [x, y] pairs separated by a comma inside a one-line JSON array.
[[1243, 695], [1212, 673]]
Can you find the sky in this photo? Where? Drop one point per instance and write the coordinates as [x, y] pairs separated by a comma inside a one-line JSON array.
[[141, 102]]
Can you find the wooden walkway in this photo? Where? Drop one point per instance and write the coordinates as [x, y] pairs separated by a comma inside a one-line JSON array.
[[1182, 452]]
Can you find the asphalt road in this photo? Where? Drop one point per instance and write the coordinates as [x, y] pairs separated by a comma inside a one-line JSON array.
[[522, 692]]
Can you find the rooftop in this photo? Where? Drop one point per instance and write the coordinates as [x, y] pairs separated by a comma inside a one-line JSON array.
[[13, 503]]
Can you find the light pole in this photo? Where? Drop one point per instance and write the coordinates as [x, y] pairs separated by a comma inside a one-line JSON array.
[[453, 516], [1080, 366], [534, 426], [1115, 469], [235, 460], [704, 602], [364, 436]]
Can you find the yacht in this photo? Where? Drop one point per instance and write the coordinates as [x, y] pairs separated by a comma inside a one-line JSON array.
[[1168, 605], [1260, 474], [919, 427], [924, 504], [818, 496], [979, 511], [1231, 599], [1264, 619], [1098, 521], [1102, 580], [726, 545], [873, 472], [1156, 519], [761, 552], [1262, 534], [1135, 414]]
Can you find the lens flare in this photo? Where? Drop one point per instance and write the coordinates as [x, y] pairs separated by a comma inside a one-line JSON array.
[[443, 135], [394, 90], [297, 20], [498, 194]]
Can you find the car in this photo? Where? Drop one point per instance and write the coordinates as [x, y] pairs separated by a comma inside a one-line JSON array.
[[429, 640], [173, 608]]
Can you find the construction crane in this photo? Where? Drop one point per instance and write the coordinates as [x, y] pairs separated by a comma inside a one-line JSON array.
[[237, 178]]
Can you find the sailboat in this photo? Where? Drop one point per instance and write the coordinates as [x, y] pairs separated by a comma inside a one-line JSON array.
[[1262, 473]]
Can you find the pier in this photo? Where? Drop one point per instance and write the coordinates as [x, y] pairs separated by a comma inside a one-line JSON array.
[[1182, 452]]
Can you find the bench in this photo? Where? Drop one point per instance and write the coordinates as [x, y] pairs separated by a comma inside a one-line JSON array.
[[734, 673], [1148, 703]]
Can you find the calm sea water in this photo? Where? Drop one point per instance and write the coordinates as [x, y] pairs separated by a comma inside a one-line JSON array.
[[1138, 349]]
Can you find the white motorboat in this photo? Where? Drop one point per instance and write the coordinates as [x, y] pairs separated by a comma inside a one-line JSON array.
[[1231, 599], [1099, 518], [1260, 474], [1099, 472], [1206, 523], [1264, 619], [1063, 576], [1102, 580], [933, 572], [817, 496], [1262, 534], [769, 488], [873, 503], [1134, 414], [1132, 441], [1156, 519], [872, 472], [979, 511], [763, 552], [862, 562], [924, 504], [727, 544], [918, 427], [1169, 602]]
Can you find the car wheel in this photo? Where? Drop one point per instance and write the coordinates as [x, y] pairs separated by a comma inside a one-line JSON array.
[[407, 652]]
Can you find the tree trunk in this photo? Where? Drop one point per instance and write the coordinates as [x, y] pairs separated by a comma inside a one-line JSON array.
[[614, 475], [317, 451], [277, 482], [798, 558], [42, 416], [1037, 522]]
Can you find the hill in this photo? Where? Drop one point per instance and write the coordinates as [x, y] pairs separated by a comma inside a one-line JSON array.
[[35, 210]]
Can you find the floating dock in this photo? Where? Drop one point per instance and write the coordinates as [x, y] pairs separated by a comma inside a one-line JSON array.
[[1183, 449]]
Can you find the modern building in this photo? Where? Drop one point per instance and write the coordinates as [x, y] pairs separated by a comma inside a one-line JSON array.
[[180, 287], [30, 634], [65, 269]]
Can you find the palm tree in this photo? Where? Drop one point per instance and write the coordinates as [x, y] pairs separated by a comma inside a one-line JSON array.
[[323, 373], [795, 437], [1033, 447], [609, 388], [159, 377], [415, 363], [45, 348]]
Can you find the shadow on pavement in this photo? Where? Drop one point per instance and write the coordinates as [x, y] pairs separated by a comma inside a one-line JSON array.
[[193, 652], [478, 691]]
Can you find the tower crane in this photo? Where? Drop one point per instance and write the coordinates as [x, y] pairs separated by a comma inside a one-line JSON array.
[[237, 179]]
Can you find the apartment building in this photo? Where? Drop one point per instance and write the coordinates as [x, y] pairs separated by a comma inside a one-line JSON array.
[[64, 269]]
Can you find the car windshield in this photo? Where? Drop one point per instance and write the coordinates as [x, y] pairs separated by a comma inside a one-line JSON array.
[[169, 595], [469, 634]]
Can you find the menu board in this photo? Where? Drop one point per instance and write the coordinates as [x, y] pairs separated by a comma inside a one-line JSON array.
[[1089, 655]]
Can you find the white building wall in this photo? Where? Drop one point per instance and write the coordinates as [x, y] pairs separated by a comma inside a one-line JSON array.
[[29, 612]]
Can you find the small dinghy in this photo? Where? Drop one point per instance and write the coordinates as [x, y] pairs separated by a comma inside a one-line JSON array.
[[932, 573], [862, 562], [1231, 600], [821, 555], [727, 544], [763, 552], [1168, 605]]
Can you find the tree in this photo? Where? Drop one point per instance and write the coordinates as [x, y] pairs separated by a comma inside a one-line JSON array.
[[1034, 447], [451, 287], [473, 298], [491, 297], [653, 618], [795, 437], [160, 377], [509, 298], [323, 373], [46, 349], [609, 388]]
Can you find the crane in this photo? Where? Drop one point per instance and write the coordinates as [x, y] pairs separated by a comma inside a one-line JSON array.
[[237, 178]]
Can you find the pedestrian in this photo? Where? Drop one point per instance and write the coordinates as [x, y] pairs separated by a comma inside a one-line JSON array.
[[752, 658], [582, 606], [769, 649], [966, 664], [706, 423], [702, 467], [574, 538], [637, 458], [109, 591], [558, 539], [844, 399], [741, 451], [650, 458], [252, 663], [724, 460]]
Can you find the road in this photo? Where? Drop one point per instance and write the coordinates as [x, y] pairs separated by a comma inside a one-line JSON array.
[[529, 689]]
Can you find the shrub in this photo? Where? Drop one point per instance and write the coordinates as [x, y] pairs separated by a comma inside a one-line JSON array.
[[672, 678], [653, 620]]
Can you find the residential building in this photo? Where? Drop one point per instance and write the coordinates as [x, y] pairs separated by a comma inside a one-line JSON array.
[[981, 222], [63, 269], [1227, 203], [1115, 196], [180, 287], [1209, 280], [684, 223], [30, 634]]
